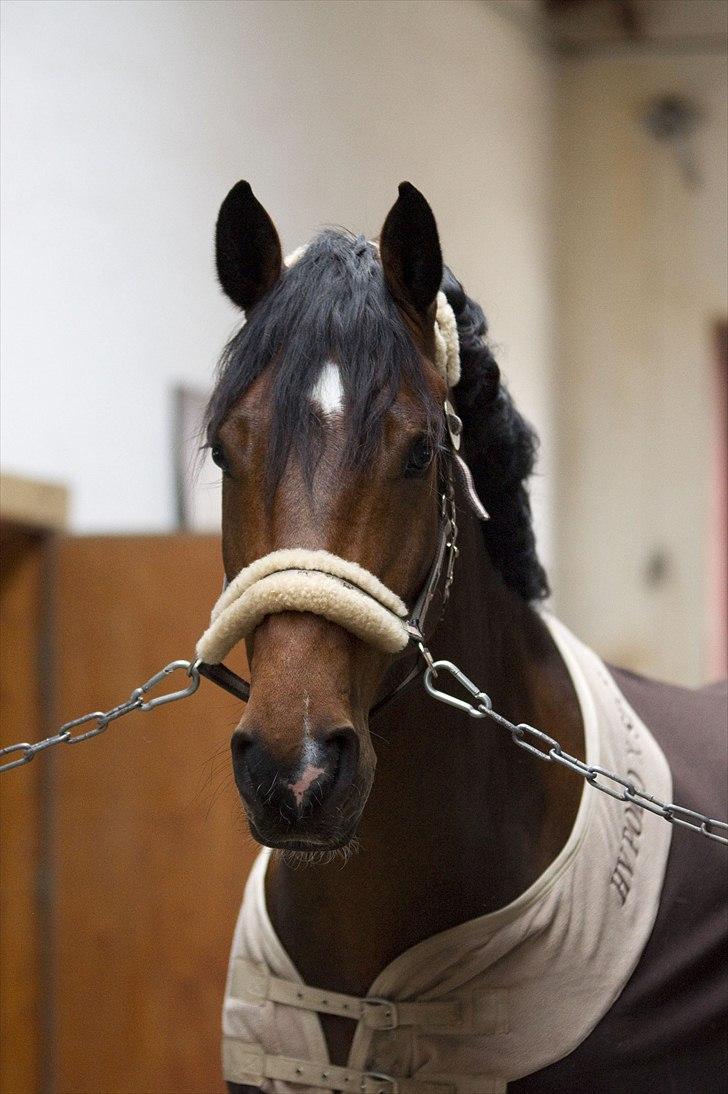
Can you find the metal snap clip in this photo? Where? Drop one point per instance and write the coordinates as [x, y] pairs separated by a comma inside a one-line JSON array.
[[172, 696], [482, 704]]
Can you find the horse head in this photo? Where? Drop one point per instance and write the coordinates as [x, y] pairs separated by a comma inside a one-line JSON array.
[[327, 423]]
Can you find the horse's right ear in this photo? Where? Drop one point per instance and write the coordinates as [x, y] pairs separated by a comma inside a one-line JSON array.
[[247, 248]]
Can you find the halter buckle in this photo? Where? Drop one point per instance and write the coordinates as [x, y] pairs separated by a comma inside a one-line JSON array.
[[454, 425], [426, 655]]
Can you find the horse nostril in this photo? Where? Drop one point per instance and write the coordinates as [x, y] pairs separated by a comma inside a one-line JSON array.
[[339, 744], [239, 745], [247, 756], [341, 747]]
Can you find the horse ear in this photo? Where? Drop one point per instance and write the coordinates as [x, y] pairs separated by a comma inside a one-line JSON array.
[[248, 250], [410, 249]]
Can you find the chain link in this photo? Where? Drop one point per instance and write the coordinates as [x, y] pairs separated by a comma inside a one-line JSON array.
[[104, 718], [548, 748]]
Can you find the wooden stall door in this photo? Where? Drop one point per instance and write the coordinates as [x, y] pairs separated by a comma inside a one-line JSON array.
[[23, 941], [150, 847]]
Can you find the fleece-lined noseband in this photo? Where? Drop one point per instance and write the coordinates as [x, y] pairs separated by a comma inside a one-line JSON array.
[[306, 581], [342, 591]]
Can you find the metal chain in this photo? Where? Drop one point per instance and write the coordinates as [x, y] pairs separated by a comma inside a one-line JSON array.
[[104, 718], [548, 748], [545, 747]]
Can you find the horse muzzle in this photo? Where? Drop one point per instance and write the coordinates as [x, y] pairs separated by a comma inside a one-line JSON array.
[[305, 804]]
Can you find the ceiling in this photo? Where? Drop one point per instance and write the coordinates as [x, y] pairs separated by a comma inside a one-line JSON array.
[[583, 26]]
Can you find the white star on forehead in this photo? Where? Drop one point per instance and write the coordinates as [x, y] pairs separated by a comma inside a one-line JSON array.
[[328, 392]]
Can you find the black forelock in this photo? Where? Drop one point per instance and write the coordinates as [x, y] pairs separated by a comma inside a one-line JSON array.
[[332, 304]]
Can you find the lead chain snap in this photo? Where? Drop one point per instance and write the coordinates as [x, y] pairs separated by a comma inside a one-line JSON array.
[[482, 704]]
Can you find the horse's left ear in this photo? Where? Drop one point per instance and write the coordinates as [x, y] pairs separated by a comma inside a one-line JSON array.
[[248, 250], [410, 250]]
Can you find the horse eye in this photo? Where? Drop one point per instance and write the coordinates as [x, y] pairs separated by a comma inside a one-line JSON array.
[[420, 456], [218, 456]]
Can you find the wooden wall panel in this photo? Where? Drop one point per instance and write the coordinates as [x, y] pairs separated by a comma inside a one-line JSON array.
[[151, 850], [22, 936]]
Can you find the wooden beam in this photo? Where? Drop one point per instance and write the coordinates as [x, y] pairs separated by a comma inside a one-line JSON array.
[[29, 503]]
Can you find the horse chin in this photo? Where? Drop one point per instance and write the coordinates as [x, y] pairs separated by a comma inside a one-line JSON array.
[[309, 848], [317, 855]]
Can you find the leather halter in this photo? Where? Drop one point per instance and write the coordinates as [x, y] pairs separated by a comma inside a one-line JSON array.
[[444, 559]]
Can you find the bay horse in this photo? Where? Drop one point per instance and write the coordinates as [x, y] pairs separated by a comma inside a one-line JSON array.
[[470, 919]]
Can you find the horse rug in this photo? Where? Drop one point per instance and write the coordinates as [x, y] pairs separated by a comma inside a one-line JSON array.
[[502, 998]]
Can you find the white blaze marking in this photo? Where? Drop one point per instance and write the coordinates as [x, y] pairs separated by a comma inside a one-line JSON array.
[[328, 392], [304, 781], [309, 770]]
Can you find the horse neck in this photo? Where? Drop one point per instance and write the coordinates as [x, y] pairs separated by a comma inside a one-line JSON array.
[[459, 821]]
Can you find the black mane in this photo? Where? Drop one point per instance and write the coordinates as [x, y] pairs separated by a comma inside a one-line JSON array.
[[334, 304], [501, 450]]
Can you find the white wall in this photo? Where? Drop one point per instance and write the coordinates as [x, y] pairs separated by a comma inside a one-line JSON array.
[[643, 279], [125, 124]]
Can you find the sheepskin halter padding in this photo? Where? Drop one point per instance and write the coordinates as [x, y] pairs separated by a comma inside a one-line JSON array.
[[300, 580], [447, 342]]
